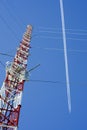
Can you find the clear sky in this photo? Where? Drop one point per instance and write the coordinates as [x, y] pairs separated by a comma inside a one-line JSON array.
[[44, 104]]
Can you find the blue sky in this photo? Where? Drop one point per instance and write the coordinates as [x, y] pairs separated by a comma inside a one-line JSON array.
[[44, 104]]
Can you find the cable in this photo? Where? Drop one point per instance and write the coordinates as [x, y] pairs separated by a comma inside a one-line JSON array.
[[2, 64], [10, 13], [57, 49], [77, 39], [57, 82], [60, 38], [46, 81], [57, 32], [67, 29], [7, 25], [6, 54], [53, 82]]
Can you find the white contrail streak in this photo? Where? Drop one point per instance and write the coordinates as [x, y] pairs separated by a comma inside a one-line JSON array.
[[65, 55]]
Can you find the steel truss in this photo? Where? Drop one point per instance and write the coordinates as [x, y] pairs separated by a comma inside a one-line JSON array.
[[12, 88]]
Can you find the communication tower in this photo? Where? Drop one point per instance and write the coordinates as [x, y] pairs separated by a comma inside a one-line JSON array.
[[12, 88]]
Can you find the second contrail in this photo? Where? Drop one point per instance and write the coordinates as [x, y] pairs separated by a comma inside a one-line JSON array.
[[65, 55]]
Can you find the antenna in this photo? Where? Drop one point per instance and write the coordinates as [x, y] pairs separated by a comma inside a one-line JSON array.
[[34, 68]]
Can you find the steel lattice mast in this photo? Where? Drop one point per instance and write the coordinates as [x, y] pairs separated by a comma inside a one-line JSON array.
[[12, 88]]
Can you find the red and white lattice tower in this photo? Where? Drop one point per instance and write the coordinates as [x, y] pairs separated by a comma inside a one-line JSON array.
[[12, 88]]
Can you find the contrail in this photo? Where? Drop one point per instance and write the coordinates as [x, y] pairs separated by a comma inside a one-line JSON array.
[[65, 55]]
